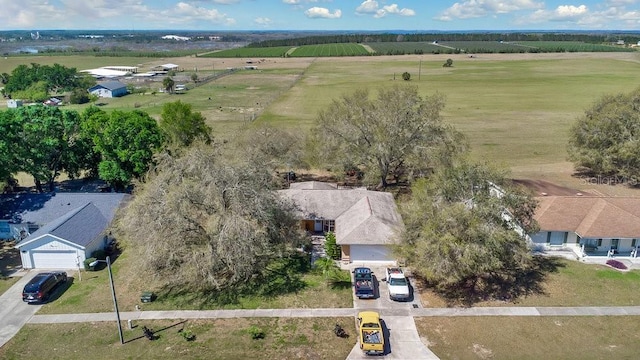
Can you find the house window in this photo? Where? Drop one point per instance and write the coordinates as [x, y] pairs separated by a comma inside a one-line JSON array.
[[329, 225], [599, 242], [633, 242]]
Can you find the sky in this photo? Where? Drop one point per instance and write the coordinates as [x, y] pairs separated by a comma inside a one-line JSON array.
[[229, 15]]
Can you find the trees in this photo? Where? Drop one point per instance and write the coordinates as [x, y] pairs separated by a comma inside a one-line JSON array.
[[448, 63], [126, 141], [398, 134], [406, 76], [605, 139], [204, 221], [460, 228], [55, 78], [47, 143], [183, 126], [168, 84]]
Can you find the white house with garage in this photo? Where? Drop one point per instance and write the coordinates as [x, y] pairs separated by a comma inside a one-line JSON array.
[[365, 222], [58, 230], [588, 225]]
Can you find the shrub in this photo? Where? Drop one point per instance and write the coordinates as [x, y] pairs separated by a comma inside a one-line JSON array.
[[188, 335], [99, 254], [330, 246], [256, 332], [406, 76], [87, 262], [617, 264]]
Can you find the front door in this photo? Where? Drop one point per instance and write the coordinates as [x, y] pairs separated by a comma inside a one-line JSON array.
[[614, 244]]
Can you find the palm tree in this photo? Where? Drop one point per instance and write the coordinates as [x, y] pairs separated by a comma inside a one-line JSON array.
[[168, 84]]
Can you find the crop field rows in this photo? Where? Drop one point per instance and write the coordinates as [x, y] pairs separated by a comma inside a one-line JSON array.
[[571, 46], [324, 50], [277, 51], [390, 48]]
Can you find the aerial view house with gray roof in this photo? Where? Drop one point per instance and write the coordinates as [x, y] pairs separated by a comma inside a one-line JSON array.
[[109, 89], [58, 230], [365, 222]]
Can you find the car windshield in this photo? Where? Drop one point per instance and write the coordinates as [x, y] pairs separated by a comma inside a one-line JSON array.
[[33, 285], [398, 282]]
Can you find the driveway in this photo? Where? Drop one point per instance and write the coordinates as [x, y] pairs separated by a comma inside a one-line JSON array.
[[403, 341], [14, 313]]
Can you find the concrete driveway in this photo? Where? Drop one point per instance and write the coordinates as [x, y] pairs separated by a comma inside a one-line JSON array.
[[14, 313], [402, 341]]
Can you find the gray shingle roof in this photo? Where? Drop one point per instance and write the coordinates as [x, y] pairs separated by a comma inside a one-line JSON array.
[[362, 216], [109, 85], [44, 208], [80, 226]]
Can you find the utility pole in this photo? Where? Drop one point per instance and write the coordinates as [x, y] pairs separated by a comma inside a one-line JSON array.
[[420, 69]]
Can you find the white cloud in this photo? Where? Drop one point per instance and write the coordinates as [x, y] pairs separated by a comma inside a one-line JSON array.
[[186, 13], [479, 8], [318, 12], [264, 21], [373, 7], [368, 7], [291, 2]]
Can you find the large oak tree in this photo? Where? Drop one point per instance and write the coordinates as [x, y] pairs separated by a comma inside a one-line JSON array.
[[208, 221], [606, 139], [396, 134], [466, 224]]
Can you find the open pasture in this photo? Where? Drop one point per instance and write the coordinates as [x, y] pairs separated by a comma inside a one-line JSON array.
[[406, 47], [328, 50], [515, 109]]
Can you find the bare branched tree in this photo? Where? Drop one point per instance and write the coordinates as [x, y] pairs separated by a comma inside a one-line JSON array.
[[203, 222]]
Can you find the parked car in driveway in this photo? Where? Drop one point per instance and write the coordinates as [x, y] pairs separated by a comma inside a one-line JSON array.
[[397, 283], [39, 289], [364, 283]]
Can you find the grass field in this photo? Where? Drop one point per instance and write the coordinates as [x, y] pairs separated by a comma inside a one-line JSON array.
[[571, 283], [277, 51], [328, 50], [499, 338], [225, 339], [407, 47], [515, 109], [92, 294]]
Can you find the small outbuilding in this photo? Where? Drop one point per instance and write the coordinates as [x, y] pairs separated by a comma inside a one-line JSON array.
[[109, 89]]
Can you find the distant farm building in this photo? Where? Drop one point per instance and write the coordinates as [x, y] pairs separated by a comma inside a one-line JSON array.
[[109, 89], [176, 37], [111, 71], [167, 67]]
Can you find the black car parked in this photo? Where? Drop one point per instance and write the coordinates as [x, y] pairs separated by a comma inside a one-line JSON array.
[[42, 285]]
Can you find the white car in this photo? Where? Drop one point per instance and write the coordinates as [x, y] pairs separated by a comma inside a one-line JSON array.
[[398, 284]]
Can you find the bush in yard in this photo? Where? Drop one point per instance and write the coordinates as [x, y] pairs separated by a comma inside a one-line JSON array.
[[99, 254], [87, 262], [256, 332], [330, 246], [187, 335], [406, 76]]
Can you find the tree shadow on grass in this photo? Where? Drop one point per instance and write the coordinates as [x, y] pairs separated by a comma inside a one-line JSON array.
[[509, 285], [281, 276]]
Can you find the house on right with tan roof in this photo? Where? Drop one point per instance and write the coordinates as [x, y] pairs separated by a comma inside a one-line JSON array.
[[588, 225]]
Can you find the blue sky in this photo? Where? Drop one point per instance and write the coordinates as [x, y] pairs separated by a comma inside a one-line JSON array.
[[321, 14]]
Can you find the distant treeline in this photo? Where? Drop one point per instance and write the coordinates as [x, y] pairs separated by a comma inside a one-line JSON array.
[[507, 37]]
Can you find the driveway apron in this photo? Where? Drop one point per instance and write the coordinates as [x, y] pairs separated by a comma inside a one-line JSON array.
[[14, 313]]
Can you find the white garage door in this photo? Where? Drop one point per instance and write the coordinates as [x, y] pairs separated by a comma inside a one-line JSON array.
[[370, 253], [54, 259]]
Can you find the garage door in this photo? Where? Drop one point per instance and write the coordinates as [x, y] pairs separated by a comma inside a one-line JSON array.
[[370, 253], [54, 259]]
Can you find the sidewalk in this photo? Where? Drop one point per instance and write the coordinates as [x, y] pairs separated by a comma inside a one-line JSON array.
[[340, 312]]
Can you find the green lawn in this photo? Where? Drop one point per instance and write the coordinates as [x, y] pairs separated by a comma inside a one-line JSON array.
[[572, 283], [93, 294], [7, 282], [606, 337], [228, 339]]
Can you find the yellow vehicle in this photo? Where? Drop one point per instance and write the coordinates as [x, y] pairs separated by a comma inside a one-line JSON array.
[[371, 334]]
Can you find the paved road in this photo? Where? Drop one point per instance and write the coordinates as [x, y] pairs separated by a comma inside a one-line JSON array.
[[14, 313]]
